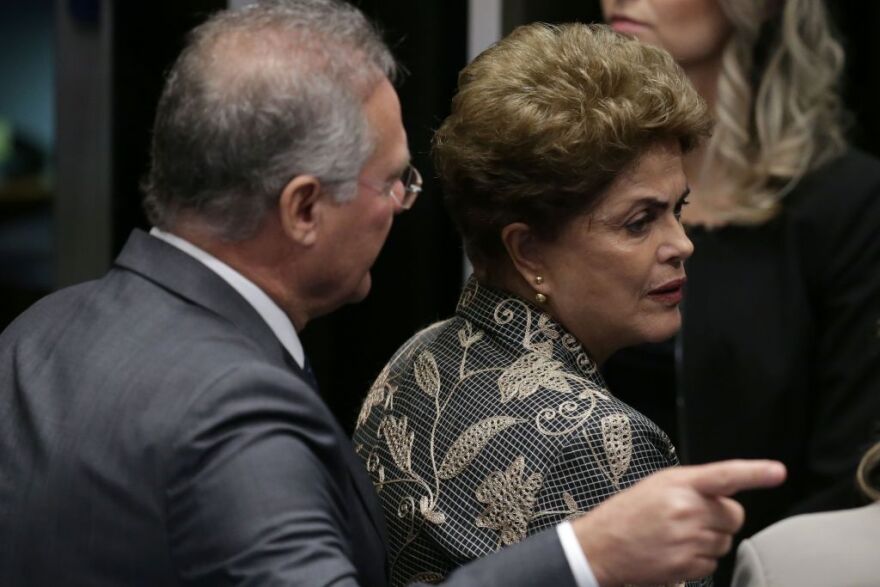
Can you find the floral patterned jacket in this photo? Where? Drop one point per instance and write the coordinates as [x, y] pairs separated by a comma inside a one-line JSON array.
[[491, 426]]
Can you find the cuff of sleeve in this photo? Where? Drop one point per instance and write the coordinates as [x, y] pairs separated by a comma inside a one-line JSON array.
[[577, 560]]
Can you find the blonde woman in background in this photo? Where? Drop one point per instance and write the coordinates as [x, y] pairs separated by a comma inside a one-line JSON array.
[[816, 550], [779, 354]]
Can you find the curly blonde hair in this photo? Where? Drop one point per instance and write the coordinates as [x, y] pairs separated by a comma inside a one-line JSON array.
[[778, 109], [546, 118]]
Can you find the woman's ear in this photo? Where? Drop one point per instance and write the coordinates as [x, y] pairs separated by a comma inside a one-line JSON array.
[[300, 209], [524, 250]]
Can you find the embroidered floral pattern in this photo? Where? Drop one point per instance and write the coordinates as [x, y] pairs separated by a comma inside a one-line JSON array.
[[375, 397], [571, 344], [400, 441], [467, 336], [428, 577], [427, 375], [617, 439], [467, 446], [438, 426], [510, 499], [429, 511], [528, 374], [572, 511], [547, 328]]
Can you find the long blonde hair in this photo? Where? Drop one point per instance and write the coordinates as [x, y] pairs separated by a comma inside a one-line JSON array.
[[778, 109]]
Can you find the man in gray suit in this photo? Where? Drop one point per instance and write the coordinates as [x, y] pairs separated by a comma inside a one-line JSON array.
[[160, 426]]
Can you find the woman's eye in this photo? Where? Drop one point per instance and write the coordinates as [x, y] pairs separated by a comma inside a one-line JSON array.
[[640, 224], [678, 207]]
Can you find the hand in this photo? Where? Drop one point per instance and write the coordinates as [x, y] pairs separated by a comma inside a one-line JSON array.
[[672, 525]]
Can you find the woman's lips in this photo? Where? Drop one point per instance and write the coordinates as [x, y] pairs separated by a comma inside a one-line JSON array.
[[670, 293], [623, 24]]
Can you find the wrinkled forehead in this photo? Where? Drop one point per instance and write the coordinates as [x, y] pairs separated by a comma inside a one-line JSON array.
[[657, 173]]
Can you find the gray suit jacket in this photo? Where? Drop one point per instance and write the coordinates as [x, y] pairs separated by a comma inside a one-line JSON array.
[[829, 549], [153, 431]]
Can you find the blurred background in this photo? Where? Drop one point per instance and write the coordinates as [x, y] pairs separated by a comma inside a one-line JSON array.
[[80, 82]]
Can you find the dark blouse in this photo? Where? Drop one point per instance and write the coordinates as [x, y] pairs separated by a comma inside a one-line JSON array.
[[779, 355], [491, 426]]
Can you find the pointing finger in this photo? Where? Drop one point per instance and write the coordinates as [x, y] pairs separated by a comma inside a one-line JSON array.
[[725, 478]]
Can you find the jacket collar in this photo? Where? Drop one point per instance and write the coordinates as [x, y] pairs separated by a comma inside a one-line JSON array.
[[184, 276], [519, 325]]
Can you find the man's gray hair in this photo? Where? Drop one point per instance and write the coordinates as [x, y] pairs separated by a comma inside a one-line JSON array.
[[257, 97]]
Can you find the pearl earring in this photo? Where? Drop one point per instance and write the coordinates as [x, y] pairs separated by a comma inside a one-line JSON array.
[[539, 297]]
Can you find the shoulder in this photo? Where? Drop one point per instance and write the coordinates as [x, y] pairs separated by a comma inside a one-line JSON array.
[[854, 168], [813, 549], [160, 352], [250, 406], [427, 337], [251, 393], [806, 528], [214, 384], [847, 186], [430, 356], [51, 309], [125, 332], [833, 217]]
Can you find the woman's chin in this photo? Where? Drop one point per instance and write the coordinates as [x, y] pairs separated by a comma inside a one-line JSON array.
[[663, 328]]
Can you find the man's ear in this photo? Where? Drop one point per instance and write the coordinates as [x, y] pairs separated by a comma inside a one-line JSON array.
[[300, 210], [524, 250]]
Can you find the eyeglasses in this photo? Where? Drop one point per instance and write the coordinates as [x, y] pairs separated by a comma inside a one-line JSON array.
[[404, 190]]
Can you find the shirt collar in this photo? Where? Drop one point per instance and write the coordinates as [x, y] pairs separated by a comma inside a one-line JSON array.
[[268, 310]]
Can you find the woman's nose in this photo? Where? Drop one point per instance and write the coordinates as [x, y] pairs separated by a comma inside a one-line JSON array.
[[677, 247]]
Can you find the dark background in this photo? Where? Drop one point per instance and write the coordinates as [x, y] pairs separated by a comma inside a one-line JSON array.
[[416, 278]]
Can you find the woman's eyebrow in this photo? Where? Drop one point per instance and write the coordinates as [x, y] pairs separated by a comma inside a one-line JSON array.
[[656, 202]]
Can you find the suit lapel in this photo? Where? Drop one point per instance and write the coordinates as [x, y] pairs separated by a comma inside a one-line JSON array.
[[189, 279]]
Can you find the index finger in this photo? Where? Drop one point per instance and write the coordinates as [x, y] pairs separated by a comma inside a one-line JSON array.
[[725, 478]]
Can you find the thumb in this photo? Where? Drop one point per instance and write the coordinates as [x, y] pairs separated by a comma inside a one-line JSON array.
[[725, 478]]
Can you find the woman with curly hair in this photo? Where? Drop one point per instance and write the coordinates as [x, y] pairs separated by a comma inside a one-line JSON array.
[[561, 163], [779, 353]]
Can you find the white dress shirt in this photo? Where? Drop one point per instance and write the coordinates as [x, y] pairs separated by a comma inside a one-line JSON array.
[[577, 560], [284, 330]]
